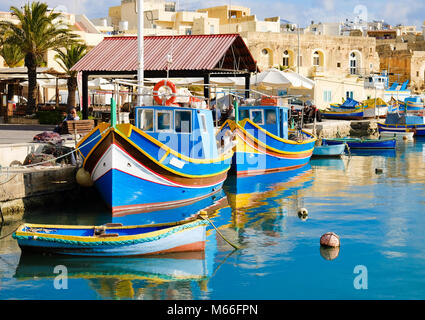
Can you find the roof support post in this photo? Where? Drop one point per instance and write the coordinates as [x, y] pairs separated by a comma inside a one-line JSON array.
[[206, 85], [247, 84], [85, 95]]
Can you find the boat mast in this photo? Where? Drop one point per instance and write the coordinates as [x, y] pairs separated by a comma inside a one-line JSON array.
[[140, 65]]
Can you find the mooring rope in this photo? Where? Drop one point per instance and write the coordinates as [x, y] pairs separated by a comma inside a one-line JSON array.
[[204, 215]]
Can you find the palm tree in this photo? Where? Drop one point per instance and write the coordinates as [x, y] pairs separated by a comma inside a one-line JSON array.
[[67, 59], [12, 55], [38, 31]]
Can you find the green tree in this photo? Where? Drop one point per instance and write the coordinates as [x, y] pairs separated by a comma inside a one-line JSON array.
[[67, 59], [38, 31], [12, 55]]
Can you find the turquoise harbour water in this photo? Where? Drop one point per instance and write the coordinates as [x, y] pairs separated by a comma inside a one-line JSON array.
[[378, 216]]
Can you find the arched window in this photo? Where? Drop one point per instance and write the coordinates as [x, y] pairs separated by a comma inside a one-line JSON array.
[[354, 63], [316, 59], [286, 59]]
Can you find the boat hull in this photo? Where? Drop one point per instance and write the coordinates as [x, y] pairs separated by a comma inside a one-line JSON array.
[[259, 152], [182, 238], [329, 150], [133, 172], [418, 129], [365, 144]]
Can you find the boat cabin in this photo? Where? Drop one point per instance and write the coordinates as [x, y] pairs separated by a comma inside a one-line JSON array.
[[273, 119], [186, 130]]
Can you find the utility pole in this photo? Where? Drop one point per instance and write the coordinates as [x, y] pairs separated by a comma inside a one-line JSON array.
[[140, 67]]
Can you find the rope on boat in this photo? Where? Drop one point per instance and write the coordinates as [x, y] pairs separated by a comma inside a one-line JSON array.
[[203, 215], [114, 243]]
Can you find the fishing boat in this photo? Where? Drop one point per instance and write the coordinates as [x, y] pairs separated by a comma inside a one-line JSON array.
[[263, 142], [403, 122], [329, 150], [168, 157], [359, 143], [113, 239], [354, 110], [413, 103]]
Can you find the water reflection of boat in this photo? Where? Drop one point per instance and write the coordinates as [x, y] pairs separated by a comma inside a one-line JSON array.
[[168, 215], [338, 164], [167, 267], [388, 153], [125, 278], [244, 191]]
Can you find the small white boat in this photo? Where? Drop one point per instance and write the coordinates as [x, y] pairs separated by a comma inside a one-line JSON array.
[[397, 135]]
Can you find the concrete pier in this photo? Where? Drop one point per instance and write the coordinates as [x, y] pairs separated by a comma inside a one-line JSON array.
[[344, 128], [24, 188]]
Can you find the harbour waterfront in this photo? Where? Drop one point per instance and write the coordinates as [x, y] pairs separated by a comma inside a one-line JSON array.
[[377, 216]]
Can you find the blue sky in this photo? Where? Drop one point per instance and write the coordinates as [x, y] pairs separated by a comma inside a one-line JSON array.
[[406, 12]]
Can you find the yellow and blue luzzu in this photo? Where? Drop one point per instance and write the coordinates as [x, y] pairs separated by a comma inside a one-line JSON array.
[[170, 156], [263, 142]]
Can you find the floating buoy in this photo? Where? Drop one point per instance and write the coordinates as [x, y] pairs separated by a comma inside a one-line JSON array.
[[329, 253], [379, 170], [83, 178], [330, 239], [302, 213], [405, 137]]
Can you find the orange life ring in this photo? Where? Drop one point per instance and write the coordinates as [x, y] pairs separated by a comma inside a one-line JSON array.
[[163, 83]]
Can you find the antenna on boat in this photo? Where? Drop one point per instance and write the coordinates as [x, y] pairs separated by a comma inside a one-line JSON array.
[[140, 65]]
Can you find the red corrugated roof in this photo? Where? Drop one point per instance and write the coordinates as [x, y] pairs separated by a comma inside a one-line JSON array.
[[194, 52]]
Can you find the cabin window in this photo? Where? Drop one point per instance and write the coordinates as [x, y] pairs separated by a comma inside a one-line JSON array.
[[146, 120], [203, 123], [163, 122], [270, 116], [183, 121], [243, 114], [257, 116]]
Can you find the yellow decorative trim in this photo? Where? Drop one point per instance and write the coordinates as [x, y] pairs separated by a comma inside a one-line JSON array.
[[125, 128], [164, 156], [174, 153]]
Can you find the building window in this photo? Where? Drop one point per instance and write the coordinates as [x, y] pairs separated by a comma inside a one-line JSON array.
[[354, 63], [349, 94], [188, 31], [417, 73], [212, 29], [285, 60], [316, 59], [264, 52], [327, 96], [338, 64]]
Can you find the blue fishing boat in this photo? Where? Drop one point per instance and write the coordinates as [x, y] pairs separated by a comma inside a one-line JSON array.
[[168, 157], [413, 103], [329, 150], [359, 143], [113, 239], [406, 122], [350, 109], [264, 143]]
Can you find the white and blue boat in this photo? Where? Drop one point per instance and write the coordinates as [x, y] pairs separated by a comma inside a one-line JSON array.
[[403, 122], [169, 157], [113, 240], [263, 142], [359, 143], [329, 150]]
